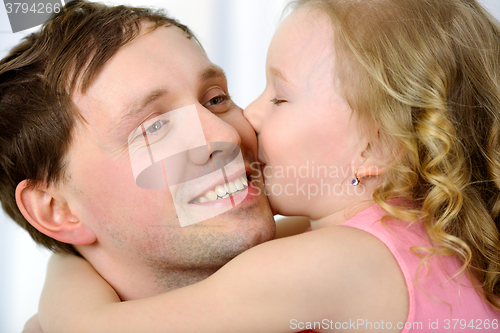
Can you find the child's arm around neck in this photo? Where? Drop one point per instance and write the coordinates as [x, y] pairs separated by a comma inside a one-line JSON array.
[[335, 274]]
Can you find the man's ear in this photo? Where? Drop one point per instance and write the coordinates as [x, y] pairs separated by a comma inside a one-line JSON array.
[[50, 214]]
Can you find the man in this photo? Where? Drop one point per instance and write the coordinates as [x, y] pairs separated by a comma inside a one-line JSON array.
[[70, 97]]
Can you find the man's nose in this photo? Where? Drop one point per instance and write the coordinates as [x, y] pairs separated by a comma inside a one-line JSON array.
[[215, 130]]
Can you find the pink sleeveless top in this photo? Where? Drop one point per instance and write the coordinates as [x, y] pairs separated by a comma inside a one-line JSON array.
[[439, 301]]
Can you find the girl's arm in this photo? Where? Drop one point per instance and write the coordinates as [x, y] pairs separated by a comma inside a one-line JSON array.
[[71, 293], [314, 277]]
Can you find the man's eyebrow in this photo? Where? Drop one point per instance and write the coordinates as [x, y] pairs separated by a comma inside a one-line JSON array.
[[212, 72], [142, 102], [137, 107], [279, 74]]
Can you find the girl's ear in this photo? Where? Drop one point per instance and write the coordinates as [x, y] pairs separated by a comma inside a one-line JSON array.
[[50, 214], [370, 170], [371, 166]]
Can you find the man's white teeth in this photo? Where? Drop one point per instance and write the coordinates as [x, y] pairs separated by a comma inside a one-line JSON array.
[[211, 195], [221, 191], [225, 190], [232, 187], [239, 184]]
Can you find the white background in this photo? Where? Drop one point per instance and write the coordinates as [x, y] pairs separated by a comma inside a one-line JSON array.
[[235, 34]]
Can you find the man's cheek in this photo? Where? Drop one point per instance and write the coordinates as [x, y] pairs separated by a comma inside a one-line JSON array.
[[169, 152]]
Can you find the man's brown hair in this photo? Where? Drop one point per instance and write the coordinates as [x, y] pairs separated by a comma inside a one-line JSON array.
[[37, 79]]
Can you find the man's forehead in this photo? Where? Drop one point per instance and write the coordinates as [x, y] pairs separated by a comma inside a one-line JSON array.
[[134, 79], [138, 49], [138, 62]]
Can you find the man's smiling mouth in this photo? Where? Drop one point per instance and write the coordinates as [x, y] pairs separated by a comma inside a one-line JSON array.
[[223, 191]]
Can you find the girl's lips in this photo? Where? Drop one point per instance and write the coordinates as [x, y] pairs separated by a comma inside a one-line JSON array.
[[263, 170]]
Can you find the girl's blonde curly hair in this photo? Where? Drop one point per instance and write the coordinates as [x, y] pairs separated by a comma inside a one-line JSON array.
[[427, 74]]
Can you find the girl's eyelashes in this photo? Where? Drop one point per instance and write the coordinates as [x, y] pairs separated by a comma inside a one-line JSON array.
[[277, 101]]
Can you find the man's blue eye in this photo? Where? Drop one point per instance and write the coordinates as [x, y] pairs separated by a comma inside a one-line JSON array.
[[216, 100], [156, 126]]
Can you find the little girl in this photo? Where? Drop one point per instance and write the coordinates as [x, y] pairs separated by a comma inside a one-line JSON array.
[[393, 108]]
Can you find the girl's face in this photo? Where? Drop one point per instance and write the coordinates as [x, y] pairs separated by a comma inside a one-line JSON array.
[[306, 130]]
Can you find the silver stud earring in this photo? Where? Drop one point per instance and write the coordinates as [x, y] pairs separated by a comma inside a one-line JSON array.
[[355, 181]]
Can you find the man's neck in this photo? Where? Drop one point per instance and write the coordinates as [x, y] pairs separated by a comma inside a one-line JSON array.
[[139, 280], [171, 279]]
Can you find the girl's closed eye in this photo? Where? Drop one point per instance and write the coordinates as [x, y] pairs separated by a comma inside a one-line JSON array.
[[277, 101]]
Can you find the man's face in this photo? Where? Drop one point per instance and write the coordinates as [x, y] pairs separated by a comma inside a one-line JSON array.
[[158, 72]]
